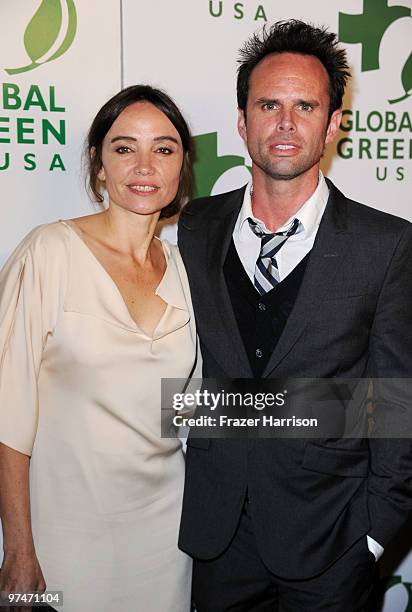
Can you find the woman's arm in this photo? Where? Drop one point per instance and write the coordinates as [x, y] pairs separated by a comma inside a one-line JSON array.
[[21, 571], [32, 286]]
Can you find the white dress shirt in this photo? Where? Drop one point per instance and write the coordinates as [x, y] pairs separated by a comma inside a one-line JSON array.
[[247, 243], [295, 248]]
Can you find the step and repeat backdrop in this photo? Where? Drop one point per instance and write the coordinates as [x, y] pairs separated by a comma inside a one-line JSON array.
[[60, 60], [190, 49]]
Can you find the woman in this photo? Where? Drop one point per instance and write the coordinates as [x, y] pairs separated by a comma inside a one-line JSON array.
[[94, 312]]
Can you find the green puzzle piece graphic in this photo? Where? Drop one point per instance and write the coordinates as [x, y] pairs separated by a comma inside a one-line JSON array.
[[208, 166], [369, 27]]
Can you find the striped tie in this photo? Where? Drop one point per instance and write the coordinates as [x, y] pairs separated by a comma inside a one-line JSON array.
[[266, 269]]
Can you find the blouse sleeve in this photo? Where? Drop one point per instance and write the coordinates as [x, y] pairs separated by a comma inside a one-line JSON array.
[[26, 318]]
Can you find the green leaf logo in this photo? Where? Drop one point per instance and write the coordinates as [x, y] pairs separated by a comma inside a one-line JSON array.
[[45, 30], [406, 78]]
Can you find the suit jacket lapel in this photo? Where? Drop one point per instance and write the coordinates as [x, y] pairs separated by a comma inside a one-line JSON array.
[[226, 332], [331, 243]]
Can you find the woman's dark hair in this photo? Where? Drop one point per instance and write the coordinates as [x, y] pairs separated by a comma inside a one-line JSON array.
[[294, 36], [108, 114]]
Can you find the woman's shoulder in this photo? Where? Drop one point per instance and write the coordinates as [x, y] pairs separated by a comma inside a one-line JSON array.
[[49, 240], [51, 233]]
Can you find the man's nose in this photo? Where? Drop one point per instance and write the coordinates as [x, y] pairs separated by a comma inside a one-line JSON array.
[[286, 121]]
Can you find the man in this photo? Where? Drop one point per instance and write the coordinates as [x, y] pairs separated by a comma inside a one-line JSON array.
[[289, 278]]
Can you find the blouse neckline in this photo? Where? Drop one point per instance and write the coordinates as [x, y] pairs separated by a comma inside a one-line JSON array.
[[167, 289]]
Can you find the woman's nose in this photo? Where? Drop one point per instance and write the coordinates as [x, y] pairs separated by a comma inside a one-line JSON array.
[[143, 164]]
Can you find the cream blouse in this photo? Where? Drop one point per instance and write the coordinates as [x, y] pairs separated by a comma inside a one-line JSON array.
[[80, 393]]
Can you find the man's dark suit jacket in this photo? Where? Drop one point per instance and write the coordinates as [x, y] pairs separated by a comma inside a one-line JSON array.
[[310, 499]]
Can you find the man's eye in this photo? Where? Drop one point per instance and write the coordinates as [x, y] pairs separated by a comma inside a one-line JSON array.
[[122, 150], [269, 106], [306, 107]]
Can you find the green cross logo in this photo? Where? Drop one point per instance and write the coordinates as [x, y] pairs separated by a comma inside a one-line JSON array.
[[368, 29], [209, 166], [46, 37]]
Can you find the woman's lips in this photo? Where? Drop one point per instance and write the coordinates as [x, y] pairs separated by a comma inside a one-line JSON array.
[[143, 188]]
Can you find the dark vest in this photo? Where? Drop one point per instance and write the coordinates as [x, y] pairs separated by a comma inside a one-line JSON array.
[[261, 318]]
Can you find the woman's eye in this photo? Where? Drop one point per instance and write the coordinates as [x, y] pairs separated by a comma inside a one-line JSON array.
[[122, 150], [165, 150]]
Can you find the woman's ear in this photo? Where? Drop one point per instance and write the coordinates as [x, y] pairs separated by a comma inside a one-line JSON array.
[[101, 174]]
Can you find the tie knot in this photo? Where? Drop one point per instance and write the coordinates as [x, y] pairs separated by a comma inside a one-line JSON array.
[[267, 236]]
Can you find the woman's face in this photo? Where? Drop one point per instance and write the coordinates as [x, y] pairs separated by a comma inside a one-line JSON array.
[[142, 156]]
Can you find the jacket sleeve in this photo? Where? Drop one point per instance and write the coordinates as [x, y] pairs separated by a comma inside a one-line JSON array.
[[390, 476]]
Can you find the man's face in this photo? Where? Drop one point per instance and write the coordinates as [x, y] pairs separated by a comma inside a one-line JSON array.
[[286, 125]]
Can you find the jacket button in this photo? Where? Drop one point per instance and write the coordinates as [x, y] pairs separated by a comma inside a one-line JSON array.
[[259, 353]]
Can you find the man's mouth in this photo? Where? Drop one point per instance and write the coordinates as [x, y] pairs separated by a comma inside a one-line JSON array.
[[284, 147]]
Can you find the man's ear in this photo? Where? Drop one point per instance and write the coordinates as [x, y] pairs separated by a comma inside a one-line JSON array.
[[333, 126], [241, 125]]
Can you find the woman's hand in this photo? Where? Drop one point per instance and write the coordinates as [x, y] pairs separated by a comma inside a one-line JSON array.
[[21, 573]]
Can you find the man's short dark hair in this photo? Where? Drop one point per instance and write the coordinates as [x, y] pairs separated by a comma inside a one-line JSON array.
[[294, 36]]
